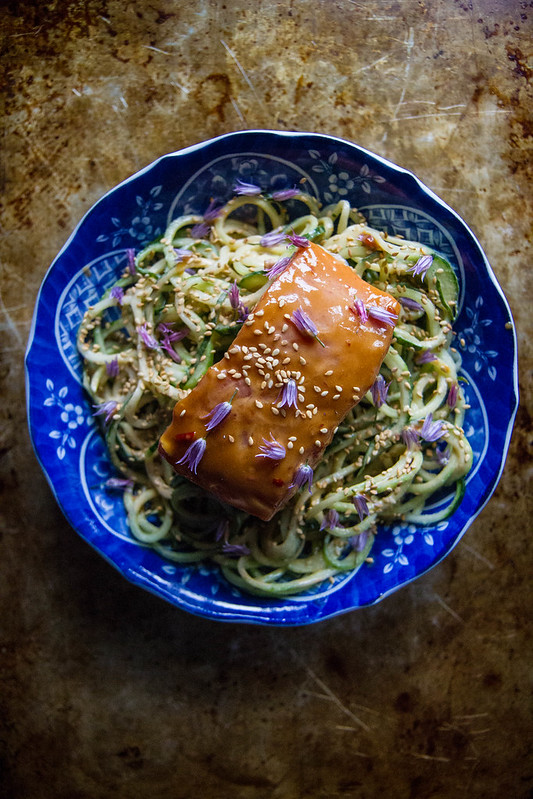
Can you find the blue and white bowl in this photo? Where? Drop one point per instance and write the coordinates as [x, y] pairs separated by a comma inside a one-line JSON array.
[[67, 440]]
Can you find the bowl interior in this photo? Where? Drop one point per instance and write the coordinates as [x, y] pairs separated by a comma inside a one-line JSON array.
[[63, 430]]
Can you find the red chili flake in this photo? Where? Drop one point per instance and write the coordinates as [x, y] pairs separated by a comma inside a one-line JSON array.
[[189, 436], [277, 481]]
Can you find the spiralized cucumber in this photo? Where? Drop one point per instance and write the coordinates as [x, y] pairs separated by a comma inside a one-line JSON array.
[[177, 308]]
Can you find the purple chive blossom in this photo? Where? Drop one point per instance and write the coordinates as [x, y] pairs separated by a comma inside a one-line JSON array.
[[410, 438], [246, 189], [361, 310], [235, 550], [452, 396], [359, 542], [289, 395], [426, 356], [410, 305], [379, 391], [272, 238], [271, 449], [117, 292], [194, 454], [222, 530], [305, 324], [361, 506], [106, 409], [296, 240], [279, 267], [422, 265], [181, 253], [431, 431], [118, 483], [443, 455], [234, 296], [218, 413], [303, 475], [169, 336], [111, 367], [130, 252], [285, 194], [200, 230], [330, 520], [382, 315], [212, 212], [148, 340]]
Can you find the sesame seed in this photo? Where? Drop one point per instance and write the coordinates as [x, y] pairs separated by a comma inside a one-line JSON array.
[[232, 440], [183, 412], [258, 332], [295, 346], [318, 443], [290, 444], [301, 450], [339, 388], [309, 414], [286, 360], [329, 372], [221, 376], [260, 313], [285, 327], [259, 403], [317, 389], [250, 441], [324, 430], [247, 381], [336, 396], [302, 360], [324, 393], [274, 410]]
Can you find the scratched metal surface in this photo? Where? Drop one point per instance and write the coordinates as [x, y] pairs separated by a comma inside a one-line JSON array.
[[106, 690]]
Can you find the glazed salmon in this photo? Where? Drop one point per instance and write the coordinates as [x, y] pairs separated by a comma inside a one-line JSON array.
[[258, 422]]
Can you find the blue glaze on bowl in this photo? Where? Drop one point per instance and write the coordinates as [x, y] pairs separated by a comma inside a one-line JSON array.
[[63, 430]]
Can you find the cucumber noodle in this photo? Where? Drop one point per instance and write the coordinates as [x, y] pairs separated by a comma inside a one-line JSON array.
[[171, 314]]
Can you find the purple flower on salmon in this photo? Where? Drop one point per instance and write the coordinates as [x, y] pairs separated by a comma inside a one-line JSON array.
[[271, 449], [305, 324], [218, 413], [422, 265], [279, 267], [297, 241], [382, 315], [194, 454], [303, 475], [361, 311], [289, 395]]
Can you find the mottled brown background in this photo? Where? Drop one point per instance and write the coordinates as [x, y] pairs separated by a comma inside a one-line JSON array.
[[106, 690]]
